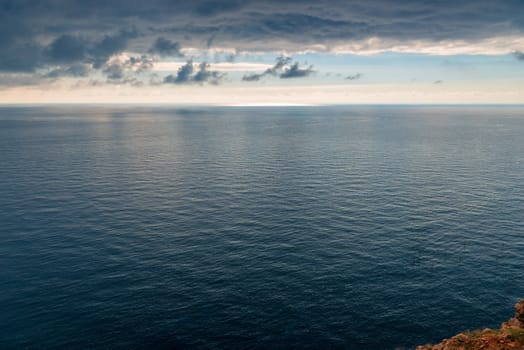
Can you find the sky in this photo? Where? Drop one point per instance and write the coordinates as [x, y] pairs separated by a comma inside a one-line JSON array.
[[262, 52]]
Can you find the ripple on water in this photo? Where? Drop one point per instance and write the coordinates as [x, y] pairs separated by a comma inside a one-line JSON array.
[[342, 227]]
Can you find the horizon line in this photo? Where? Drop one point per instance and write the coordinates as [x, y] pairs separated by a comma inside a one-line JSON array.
[[250, 105]]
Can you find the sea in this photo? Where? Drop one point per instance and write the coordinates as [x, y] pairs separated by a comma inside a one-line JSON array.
[[194, 227]]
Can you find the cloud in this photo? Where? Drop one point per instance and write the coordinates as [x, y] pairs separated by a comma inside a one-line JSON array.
[[75, 70], [283, 68], [17, 79], [265, 24], [213, 8], [183, 75], [253, 77], [303, 25], [46, 35], [281, 62], [126, 81], [210, 40], [123, 69], [171, 79], [205, 75], [166, 47], [66, 49], [354, 76], [294, 71], [74, 56], [519, 55], [186, 75], [231, 57], [24, 57], [111, 45], [114, 71], [139, 63]]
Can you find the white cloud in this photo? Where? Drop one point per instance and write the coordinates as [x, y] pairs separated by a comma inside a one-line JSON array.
[[490, 46]]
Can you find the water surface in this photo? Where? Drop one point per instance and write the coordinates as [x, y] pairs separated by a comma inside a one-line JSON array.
[[255, 228]]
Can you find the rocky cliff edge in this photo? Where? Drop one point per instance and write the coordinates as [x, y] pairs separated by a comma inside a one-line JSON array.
[[510, 336]]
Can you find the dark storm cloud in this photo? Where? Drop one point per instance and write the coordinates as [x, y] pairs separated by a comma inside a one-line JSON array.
[[239, 23], [38, 34], [212, 8], [67, 48], [283, 68], [110, 45], [22, 57], [354, 76], [187, 75], [166, 47]]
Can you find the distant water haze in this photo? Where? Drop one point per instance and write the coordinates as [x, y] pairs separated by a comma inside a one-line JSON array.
[[255, 227]]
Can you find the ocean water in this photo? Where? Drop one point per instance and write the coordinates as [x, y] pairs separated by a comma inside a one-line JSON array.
[[255, 228]]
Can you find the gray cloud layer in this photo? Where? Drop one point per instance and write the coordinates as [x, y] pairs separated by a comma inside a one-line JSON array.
[[64, 35], [166, 47]]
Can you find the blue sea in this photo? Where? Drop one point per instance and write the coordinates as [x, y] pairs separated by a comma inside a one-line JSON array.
[[362, 227]]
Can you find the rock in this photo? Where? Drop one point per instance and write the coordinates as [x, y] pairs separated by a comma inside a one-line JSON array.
[[519, 312], [509, 337], [511, 323]]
